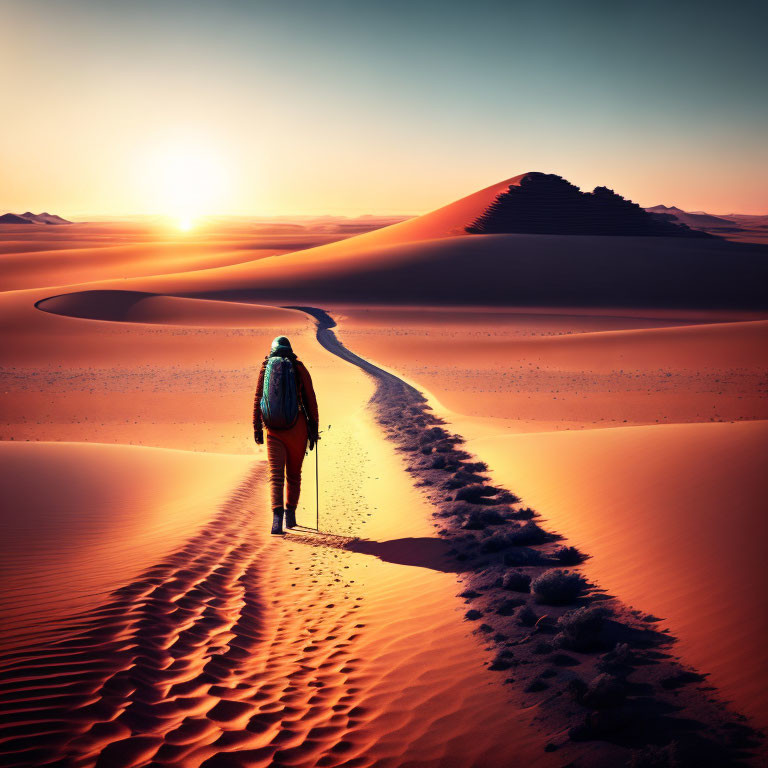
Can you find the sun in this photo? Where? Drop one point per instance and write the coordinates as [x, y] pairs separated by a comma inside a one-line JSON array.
[[187, 180]]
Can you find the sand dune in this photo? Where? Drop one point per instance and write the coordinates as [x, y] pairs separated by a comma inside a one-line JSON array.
[[79, 516], [561, 369], [137, 307], [91, 252], [496, 270]]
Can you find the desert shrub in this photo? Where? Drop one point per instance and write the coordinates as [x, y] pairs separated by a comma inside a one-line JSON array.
[[526, 513], [525, 616], [436, 461], [557, 587], [475, 492], [569, 556], [476, 466], [516, 581], [473, 615], [495, 543], [521, 556], [431, 435], [507, 497], [616, 660], [605, 691], [530, 534], [480, 518], [580, 629], [462, 478], [456, 509]]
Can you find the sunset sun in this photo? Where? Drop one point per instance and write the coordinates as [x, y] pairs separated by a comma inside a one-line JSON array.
[[186, 182]]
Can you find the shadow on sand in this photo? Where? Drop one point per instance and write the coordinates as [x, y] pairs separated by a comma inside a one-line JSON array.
[[419, 552]]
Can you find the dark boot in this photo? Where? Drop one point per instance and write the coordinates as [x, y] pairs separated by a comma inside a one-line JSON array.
[[277, 520], [290, 517]]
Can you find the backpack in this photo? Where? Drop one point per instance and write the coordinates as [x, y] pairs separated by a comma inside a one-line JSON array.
[[280, 397]]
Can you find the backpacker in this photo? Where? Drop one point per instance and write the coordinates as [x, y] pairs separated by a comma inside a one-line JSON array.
[[280, 397]]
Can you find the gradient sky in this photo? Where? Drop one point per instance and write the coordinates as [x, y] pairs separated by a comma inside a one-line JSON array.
[[314, 107]]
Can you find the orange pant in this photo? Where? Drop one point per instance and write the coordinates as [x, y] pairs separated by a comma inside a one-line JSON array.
[[285, 453]]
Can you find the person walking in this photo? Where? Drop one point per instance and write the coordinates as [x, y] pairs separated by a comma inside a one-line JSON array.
[[285, 404]]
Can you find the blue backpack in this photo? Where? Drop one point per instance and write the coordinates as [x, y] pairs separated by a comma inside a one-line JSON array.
[[280, 398]]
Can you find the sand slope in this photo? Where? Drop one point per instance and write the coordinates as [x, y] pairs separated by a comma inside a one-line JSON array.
[[673, 518], [559, 369], [78, 517]]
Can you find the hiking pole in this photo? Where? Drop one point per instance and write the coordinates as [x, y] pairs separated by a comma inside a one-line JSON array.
[[317, 486], [317, 482]]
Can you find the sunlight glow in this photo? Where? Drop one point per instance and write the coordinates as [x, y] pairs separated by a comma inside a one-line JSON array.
[[185, 181]]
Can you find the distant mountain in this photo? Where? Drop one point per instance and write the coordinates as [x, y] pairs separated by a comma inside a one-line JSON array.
[[44, 218], [741, 228], [693, 220], [32, 218], [544, 203], [12, 218]]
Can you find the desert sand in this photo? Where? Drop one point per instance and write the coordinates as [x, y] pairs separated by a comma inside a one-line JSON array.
[[172, 629]]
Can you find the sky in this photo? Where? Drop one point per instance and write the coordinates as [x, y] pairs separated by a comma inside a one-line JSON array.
[[337, 107]]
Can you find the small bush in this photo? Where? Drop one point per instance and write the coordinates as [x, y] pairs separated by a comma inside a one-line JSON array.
[[456, 509], [580, 629], [526, 513], [530, 534], [436, 461], [473, 615], [516, 581], [569, 556], [521, 556], [460, 479], [495, 543], [480, 518], [617, 660], [558, 587], [476, 466], [475, 492], [432, 435], [525, 616]]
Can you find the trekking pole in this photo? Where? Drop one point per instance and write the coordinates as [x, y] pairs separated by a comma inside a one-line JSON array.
[[317, 483], [317, 487]]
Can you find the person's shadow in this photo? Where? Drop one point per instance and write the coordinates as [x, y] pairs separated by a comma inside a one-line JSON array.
[[420, 552]]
